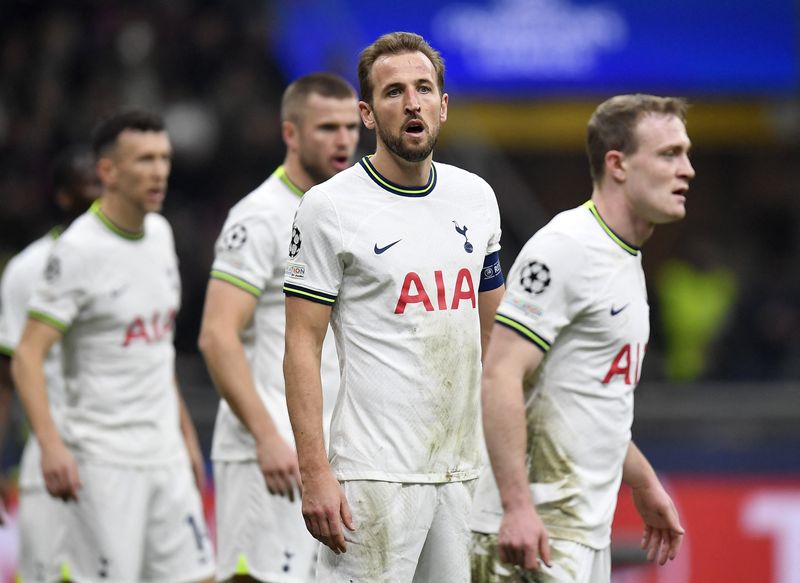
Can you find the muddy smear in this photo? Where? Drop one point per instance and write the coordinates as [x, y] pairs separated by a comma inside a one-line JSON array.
[[452, 359]]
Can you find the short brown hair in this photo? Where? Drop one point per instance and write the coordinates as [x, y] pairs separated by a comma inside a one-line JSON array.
[[612, 125], [298, 92], [395, 43]]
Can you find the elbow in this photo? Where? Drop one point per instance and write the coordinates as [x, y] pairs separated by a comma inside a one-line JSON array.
[[206, 341]]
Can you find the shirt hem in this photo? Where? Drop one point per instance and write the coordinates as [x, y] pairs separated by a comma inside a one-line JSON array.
[[438, 478]]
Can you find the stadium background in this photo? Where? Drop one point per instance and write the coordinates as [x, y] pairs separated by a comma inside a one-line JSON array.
[[718, 407]]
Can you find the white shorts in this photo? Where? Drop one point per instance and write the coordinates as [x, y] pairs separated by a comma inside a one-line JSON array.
[[572, 563], [40, 524], [136, 524], [259, 534], [404, 533]]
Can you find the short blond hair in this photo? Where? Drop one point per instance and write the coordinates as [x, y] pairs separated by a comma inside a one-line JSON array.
[[324, 84]]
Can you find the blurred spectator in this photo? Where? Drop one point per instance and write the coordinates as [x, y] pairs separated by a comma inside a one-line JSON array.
[[696, 292]]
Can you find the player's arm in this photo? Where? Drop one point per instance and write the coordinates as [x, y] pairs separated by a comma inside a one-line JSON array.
[[27, 368], [487, 308], [663, 532], [490, 292], [6, 394], [227, 311], [192, 443], [522, 538], [325, 507]]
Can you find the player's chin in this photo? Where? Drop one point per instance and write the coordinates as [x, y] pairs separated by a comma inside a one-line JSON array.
[[154, 206]]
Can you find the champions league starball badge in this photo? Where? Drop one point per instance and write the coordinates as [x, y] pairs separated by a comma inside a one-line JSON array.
[[235, 237], [53, 269], [535, 277], [294, 246]]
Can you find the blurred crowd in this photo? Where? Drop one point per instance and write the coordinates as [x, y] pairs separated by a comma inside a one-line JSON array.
[[725, 297]]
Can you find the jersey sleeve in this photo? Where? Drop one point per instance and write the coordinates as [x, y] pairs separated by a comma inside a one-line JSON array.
[[65, 288], [315, 266], [494, 219], [14, 295], [245, 254], [544, 289]]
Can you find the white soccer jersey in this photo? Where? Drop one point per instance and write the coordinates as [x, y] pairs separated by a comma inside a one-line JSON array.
[[577, 291], [20, 278], [251, 254], [401, 268], [115, 296]]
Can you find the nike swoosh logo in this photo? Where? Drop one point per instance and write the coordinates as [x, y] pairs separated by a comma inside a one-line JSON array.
[[379, 250], [615, 312]]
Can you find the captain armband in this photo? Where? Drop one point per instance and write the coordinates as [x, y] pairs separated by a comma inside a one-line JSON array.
[[492, 273]]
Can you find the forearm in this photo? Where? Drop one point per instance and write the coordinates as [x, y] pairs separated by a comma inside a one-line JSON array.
[[229, 369], [6, 396], [28, 373], [506, 437], [187, 425], [636, 470], [304, 400]]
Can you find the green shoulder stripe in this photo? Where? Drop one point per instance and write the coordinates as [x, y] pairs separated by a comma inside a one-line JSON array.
[[233, 280], [524, 331], [48, 319]]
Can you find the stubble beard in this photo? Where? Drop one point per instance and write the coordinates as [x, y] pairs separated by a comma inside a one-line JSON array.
[[315, 170], [397, 147]]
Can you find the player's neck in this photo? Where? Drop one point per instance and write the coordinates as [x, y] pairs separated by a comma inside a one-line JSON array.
[[122, 213], [400, 171], [296, 175], [621, 217]]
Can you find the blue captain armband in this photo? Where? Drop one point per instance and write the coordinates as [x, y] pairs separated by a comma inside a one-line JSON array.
[[492, 273]]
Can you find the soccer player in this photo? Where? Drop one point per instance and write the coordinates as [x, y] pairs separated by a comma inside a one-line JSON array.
[[565, 356], [75, 186], [401, 255], [260, 530], [110, 294]]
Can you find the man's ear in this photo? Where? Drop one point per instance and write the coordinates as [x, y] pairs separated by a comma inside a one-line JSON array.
[[106, 170], [615, 165], [367, 116]]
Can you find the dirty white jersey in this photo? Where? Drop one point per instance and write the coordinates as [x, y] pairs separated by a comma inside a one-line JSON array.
[[401, 268], [20, 278], [251, 254], [576, 291], [115, 296]]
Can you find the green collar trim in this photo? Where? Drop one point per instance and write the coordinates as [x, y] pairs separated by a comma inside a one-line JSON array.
[[95, 210], [397, 188], [632, 249], [55, 232], [280, 172]]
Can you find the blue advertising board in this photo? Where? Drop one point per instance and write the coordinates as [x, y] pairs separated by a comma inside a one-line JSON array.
[[548, 48]]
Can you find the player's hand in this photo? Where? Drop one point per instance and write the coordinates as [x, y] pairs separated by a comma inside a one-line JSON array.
[[60, 472], [663, 532], [325, 509], [278, 463], [522, 539]]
